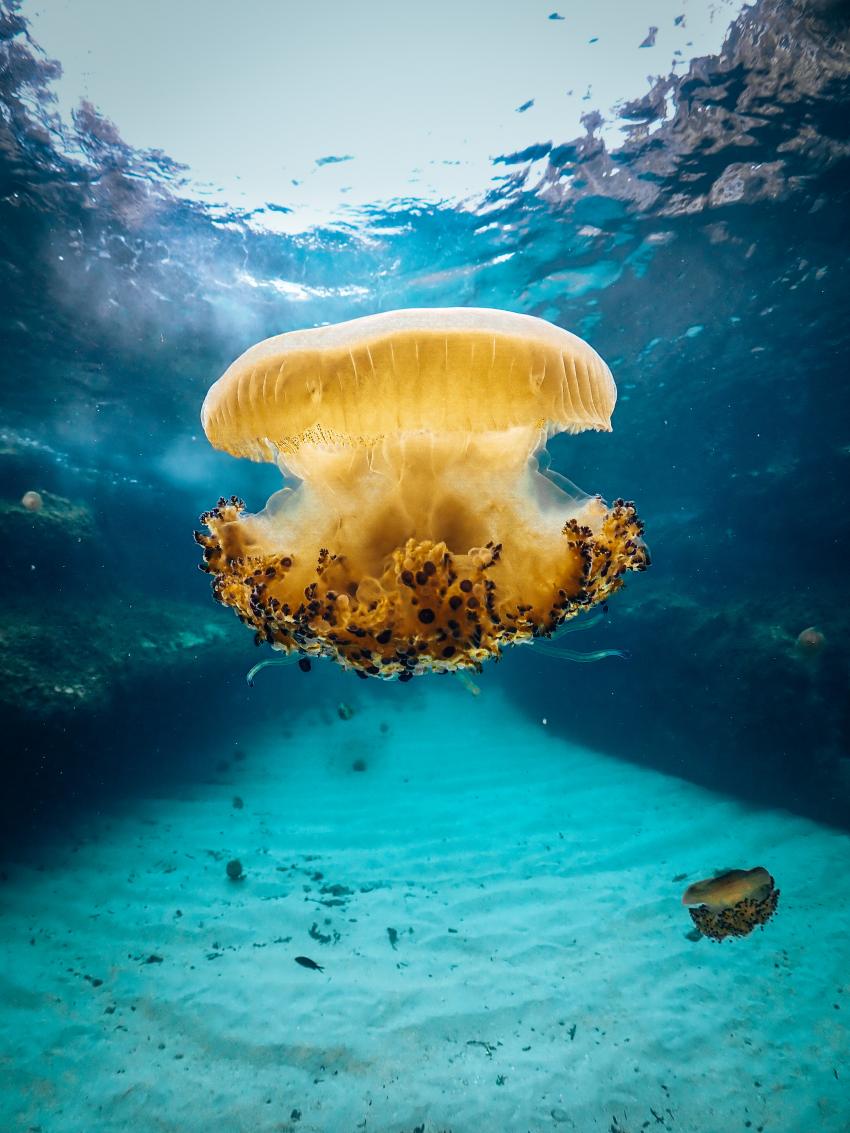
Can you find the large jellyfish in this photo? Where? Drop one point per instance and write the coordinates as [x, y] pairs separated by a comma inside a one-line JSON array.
[[423, 535], [732, 903]]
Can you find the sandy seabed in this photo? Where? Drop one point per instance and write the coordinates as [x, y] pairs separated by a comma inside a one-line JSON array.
[[498, 917]]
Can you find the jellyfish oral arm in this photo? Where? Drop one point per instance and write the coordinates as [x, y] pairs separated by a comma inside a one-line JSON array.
[[402, 556]]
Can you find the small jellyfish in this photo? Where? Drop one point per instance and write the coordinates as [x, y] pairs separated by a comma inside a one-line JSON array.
[[733, 903], [32, 501], [810, 641], [423, 534], [234, 870]]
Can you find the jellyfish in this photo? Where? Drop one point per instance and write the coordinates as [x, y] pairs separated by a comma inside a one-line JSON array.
[[416, 530], [32, 501], [810, 641], [733, 903]]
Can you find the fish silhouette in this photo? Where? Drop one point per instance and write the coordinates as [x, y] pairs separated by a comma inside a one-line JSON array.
[[306, 962]]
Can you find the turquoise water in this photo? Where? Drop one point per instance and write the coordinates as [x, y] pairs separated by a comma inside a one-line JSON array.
[[489, 871]]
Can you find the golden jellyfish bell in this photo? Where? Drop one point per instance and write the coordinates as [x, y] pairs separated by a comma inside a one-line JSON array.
[[728, 889], [423, 535]]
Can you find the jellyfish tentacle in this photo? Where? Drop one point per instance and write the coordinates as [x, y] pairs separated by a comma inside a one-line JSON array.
[[551, 649], [586, 621], [251, 674]]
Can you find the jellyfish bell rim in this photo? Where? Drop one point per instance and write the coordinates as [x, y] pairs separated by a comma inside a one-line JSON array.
[[304, 387]]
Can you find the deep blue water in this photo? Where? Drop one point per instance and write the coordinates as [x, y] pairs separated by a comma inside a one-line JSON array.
[[710, 272], [712, 275]]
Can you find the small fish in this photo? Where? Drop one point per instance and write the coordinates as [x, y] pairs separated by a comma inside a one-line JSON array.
[[306, 962], [729, 888]]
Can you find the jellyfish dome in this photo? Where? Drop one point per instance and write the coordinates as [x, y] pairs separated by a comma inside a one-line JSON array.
[[422, 535]]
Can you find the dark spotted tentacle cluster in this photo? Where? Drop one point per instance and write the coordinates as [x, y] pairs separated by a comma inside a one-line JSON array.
[[431, 610], [736, 920]]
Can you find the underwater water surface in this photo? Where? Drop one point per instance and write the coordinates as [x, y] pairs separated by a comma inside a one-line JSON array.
[[592, 881]]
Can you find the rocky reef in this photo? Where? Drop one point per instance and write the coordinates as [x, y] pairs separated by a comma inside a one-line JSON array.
[[72, 637], [91, 664]]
